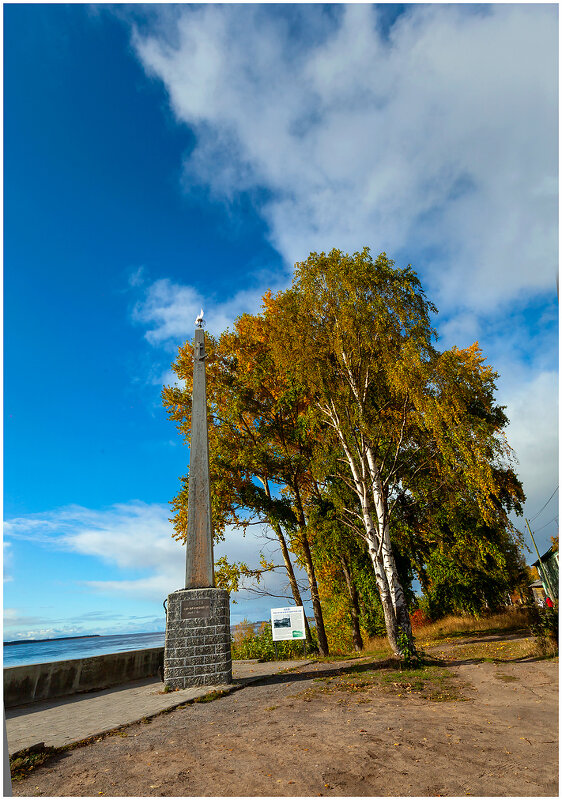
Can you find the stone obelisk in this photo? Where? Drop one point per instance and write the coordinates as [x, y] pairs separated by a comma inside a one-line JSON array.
[[197, 647]]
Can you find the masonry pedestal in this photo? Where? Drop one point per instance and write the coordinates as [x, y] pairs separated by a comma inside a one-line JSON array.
[[197, 647]]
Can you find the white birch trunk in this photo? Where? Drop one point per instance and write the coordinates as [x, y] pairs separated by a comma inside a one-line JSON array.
[[376, 525], [387, 556], [385, 595], [374, 547]]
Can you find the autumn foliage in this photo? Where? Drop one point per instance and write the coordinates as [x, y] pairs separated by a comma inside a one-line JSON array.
[[370, 456]]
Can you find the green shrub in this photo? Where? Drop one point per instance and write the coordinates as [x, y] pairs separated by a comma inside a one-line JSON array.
[[544, 626], [338, 627], [248, 644]]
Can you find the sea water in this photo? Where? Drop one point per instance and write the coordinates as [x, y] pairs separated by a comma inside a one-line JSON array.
[[63, 649]]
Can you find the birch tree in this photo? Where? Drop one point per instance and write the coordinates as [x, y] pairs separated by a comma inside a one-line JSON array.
[[357, 334]]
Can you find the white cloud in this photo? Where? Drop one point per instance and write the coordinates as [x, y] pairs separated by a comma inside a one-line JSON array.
[[130, 536], [436, 141], [169, 309], [14, 618], [137, 277], [7, 561], [533, 434], [43, 633], [120, 533], [442, 137], [168, 377], [20, 626], [525, 356]]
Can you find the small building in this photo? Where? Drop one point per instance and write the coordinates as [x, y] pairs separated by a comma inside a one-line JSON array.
[[539, 594], [547, 566]]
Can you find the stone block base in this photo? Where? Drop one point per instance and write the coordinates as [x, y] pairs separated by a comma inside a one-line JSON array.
[[197, 646]]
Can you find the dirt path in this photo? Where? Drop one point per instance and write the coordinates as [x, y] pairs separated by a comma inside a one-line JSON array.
[[371, 734]]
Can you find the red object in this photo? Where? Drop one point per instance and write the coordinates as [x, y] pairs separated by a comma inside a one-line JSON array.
[[418, 619], [549, 602]]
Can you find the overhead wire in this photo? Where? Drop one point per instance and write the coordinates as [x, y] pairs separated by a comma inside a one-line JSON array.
[[554, 519], [545, 505]]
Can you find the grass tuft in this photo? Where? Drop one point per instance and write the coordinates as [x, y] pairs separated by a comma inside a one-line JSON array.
[[428, 681], [23, 762], [512, 619], [377, 647], [208, 698], [544, 648]]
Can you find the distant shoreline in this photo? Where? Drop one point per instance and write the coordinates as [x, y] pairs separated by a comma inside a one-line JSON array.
[[55, 639]]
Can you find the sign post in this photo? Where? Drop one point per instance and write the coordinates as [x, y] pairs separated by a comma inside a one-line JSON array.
[[287, 625]]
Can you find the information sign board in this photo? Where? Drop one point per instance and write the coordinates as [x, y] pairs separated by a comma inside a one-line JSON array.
[[287, 623]]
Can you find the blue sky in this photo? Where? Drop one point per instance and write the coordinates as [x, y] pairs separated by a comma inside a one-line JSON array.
[[160, 158]]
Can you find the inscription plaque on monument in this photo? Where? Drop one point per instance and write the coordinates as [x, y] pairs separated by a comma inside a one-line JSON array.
[[194, 609], [197, 647]]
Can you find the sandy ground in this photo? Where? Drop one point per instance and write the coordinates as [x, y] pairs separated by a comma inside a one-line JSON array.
[[292, 735]]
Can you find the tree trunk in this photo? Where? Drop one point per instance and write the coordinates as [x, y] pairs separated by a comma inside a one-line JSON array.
[[397, 592], [403, 631], [291, 575], [385, 596], [360, 472], [422, 577], [288, 564], [309, 567], [369, 490], [318, 617], [357, 638], [373, 546]]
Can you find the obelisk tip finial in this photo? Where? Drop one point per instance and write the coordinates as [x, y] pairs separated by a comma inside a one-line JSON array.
[[200, 322]]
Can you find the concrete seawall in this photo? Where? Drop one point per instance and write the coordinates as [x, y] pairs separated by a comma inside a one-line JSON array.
[[28, 683]]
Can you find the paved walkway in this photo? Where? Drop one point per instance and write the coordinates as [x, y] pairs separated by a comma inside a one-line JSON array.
[[66, 720]]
